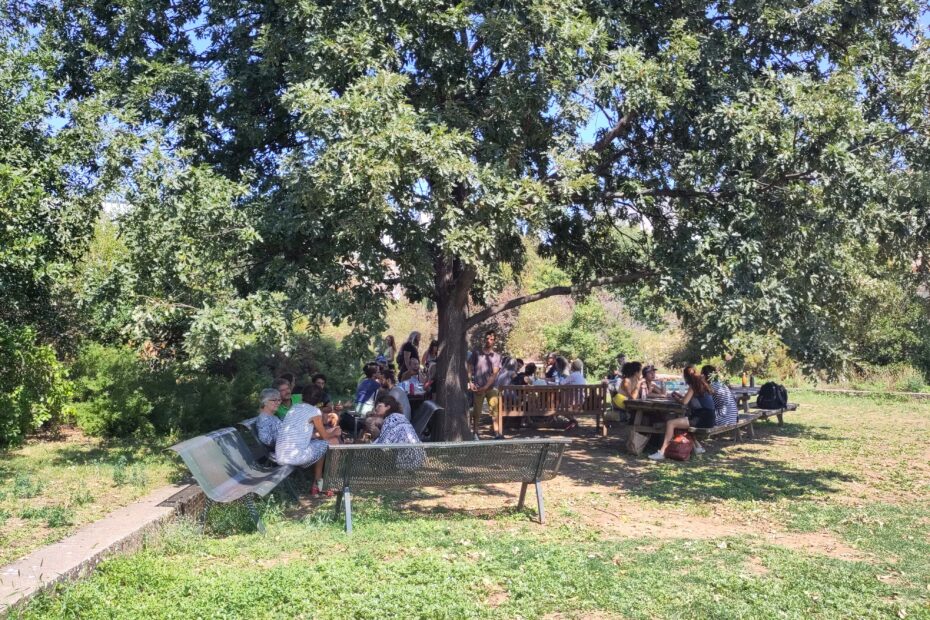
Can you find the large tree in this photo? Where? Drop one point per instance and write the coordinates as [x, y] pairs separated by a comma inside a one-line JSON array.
[[727, 157]]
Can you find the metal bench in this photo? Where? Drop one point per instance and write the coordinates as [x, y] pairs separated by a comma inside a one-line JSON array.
[[743, 420], [549, 400], [765, 414], [262, 453], [377, 468], [422, 417], [225, 468]]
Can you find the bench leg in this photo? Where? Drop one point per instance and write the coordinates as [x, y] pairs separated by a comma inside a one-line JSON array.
[[291, 490], [539, 503], [781, 421], [347, 495], [208, 503], [737, 436], [752, 431], [250, 504], [338, 503], [597, 424], [522, 495]]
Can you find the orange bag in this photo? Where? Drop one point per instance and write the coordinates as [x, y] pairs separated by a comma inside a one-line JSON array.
[[680, 447]]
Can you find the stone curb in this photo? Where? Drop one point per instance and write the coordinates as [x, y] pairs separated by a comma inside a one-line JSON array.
[[867, 393], [76, 556]]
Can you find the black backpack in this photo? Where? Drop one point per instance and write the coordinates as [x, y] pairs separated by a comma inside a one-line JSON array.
[[772, 396]]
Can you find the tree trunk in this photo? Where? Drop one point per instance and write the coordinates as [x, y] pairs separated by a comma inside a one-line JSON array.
[[453, 285], [451, 373]]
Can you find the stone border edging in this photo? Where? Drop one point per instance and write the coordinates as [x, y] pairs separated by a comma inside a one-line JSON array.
[[76, 556], [863, 393]]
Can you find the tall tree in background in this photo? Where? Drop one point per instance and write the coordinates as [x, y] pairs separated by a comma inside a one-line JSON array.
[[728, 157]]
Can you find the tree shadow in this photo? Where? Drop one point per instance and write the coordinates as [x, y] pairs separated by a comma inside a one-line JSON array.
[[744, 478], [604, 463]]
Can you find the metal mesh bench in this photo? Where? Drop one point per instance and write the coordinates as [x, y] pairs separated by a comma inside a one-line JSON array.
[[422, 417], [247, 428], [225, 468], [375, 467]]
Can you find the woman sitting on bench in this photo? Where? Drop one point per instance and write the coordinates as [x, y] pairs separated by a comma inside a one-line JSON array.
[[296, 445], [700, 397], [267, 424]]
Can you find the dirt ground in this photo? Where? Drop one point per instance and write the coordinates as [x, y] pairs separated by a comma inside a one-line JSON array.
[[596, 492]]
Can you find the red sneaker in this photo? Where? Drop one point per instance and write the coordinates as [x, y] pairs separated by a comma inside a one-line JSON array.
[[314, 491]]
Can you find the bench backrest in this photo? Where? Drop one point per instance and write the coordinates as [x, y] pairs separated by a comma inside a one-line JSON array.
[[401, 396], [544, 400], [247, 428], [423, 415], [406, 466], [221, 463]]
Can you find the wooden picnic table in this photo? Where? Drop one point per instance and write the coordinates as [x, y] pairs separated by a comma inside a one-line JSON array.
[[649, 417], [743, 394]]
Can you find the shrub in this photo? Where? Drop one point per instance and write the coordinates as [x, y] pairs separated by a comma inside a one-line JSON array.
[[33, 386], [120, 394], [588, 336], [110, 385]]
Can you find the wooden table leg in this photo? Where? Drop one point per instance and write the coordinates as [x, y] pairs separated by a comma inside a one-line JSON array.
[[631, 439]]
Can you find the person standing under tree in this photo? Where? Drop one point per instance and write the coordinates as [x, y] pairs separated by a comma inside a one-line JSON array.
[[483, 368], [409, 350]]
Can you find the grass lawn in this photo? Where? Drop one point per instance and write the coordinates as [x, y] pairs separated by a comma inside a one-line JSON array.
[[50, 487], [826, 517]]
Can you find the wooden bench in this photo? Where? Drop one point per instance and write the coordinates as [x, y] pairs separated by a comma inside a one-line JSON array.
[[386, 467], [743, 420], [765, 414], [517, 401], [225, 468]]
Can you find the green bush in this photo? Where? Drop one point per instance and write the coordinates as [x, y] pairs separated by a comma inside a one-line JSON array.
[[589, 336], [120, 394], [110, 385], [33, 386]]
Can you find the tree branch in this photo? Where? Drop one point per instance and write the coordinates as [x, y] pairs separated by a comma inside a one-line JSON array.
[[552, 291], [617, 130]]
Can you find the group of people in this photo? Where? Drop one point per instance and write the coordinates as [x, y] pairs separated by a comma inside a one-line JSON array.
[[489, 371], [416, 372], [709, 400], [299, 426]]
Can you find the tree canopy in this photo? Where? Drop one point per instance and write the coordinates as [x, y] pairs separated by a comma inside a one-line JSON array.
[[732, 161]]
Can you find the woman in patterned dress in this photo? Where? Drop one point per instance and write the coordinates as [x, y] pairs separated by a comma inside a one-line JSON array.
[[267, 424], [296, 445]]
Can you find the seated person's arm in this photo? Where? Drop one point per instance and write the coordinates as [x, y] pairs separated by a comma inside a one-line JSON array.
[[324, 432]]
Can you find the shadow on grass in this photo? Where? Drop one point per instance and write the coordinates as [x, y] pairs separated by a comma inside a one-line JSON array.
[[391, 506], [747, 478], [723, 473]]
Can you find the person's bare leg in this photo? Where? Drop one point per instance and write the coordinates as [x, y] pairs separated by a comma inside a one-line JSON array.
[[670, 427]]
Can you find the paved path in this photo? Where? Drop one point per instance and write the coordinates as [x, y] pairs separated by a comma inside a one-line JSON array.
[[80, 552]]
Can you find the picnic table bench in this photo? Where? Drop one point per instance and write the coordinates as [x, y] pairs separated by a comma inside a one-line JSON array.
[[651, 414], [397, 467], [226, 469], [549, 400], [765, 414]]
